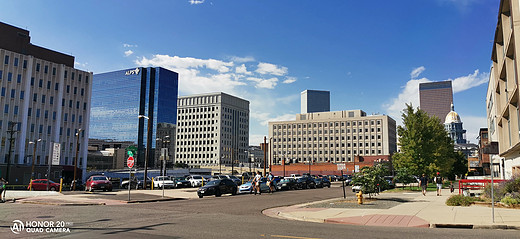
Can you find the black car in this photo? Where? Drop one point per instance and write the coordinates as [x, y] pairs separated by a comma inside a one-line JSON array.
[[137, 183], [322, 182], [286, 184], [305, 182], [181, 182], [218, 187]]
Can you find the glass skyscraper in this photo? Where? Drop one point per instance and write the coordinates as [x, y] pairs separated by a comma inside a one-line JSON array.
[[119, 97]]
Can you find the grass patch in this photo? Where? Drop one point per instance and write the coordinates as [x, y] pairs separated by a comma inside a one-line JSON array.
[[460, 200]]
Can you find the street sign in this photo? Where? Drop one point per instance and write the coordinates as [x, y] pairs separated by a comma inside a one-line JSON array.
[[130, 162], [56, 153], [341, 166], [130, 154]]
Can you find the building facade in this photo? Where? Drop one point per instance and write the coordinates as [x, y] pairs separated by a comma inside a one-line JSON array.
[[128, 105], [44, 100], [213, 129], [315, 101], [336, 137], [502, 99], [436, 98]]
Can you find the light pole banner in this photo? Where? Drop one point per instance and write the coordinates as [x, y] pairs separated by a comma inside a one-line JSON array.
[[56, 153]]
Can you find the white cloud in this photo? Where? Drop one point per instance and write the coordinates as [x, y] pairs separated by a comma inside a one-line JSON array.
[[265, 118], [417, 71], [268, 68], [472, 124], [472, 80], [242, 69], [238, 59], [289, 80], [186, 62], [409, 94], [192, 80], [264, 83], [129, 52], [192, 2], [128, 45]]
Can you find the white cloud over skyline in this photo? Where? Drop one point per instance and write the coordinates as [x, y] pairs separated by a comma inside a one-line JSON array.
[[129, 52], [196, 2], [289, 80], [271, 69]]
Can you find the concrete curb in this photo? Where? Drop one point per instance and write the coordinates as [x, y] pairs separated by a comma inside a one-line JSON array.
[[154, 200], [62, 203]]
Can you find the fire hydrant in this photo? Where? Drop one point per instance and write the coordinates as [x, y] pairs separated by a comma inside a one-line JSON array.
[[359, 196]]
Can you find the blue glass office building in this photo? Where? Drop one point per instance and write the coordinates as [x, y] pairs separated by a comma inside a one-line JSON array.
[[119, 97]]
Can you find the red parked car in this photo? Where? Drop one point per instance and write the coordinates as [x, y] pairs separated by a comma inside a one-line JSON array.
[[41, 185], [98, 182]]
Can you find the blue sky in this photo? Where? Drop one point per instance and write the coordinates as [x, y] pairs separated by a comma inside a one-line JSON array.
[[371, 55]]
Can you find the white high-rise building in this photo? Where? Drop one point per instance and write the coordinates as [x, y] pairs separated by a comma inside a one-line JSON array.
[[336, 137], [212, 129], [45, 100]]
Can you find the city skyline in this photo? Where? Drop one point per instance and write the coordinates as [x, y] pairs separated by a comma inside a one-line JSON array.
[[369, 60]]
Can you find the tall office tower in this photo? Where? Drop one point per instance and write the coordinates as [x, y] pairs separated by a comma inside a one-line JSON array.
[[436, 98], [338, 136], [213, 129], [315, 101], [45, 100], [128, 105], [502, 99]]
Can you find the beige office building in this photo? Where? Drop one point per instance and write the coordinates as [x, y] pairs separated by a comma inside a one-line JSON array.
[[503, 94], [335, 137], [212, 129]]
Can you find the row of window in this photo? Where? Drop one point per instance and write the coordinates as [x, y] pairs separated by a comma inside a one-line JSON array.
[[45, 68], [360, 137], [325, 124], [327, 145]]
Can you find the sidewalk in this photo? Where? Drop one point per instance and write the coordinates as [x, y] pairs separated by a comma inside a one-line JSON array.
[[415, 210], [98, 198]]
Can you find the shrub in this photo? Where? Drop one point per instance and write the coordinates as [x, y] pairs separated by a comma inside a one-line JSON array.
[[460, 200], [509, 187], [510, 201]]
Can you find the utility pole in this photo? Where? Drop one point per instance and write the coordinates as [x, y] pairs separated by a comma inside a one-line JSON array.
[[74, 181], [34, 156], [265, 156], [11, 131], [232, 160]]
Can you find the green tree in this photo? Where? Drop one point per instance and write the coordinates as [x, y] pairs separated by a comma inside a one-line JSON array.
[[404, 176], [425, 144], [460, 166], [371, 179]]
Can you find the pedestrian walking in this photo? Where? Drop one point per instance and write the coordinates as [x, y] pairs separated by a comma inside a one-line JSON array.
[[438, 181], [256, 183], [270, 183], [451, 187], [424, 183], [2, 189]]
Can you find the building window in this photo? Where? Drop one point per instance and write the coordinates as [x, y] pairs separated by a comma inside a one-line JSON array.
[[19, 78], [24, 64], [46, 69], [6, 108], [54, 71], [13, 93], [15, 61], [15, 110], [51, 100], [56, 86], [9, 76], [38, 67], [22, 93], [40, 84], [6, 61]]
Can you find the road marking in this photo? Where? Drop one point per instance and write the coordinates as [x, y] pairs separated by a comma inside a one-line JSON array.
[[280, 236]]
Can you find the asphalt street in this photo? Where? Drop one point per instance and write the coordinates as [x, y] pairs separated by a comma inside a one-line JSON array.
[[210, 217]]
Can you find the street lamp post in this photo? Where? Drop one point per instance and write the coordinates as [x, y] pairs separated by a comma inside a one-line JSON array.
[[148, 140], [34, 156], [76, 160]]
